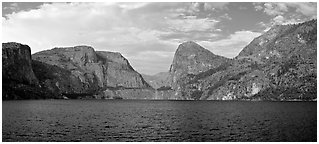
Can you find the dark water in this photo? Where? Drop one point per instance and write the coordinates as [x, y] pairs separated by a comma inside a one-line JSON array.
[[131, 120]]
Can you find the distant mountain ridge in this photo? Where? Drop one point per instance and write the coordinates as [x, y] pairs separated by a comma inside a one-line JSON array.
[[158, 80]]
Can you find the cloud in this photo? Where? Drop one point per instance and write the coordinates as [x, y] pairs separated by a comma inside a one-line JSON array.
[[258, 6], [308, 9], [226, 16], [196, 7], [279, 19], [287, 13], [74, 23], [216, 5], [13, 6], [131, 6], [231, 46], [275, 8], [58, 23], [190, 36], [192, 24]]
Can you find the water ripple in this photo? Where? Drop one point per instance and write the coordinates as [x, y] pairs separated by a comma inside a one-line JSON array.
[[80, 120]]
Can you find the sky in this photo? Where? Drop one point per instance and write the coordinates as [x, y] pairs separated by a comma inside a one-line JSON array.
[[147, 34]]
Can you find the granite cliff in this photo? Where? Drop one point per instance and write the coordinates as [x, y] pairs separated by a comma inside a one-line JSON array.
[[278, 65], [91, 72], [18, 78], [16, 63], [287, 56], [191, 59], [76, 72]]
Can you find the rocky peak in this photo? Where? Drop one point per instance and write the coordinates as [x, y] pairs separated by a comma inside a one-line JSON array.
[[191, 49], [190, 46], [191, 58]]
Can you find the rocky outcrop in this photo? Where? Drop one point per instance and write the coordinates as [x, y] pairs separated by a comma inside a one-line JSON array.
[[18, 78]]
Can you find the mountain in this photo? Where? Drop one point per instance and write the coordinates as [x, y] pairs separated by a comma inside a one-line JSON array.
[[283, 41], [191, 59], [278, 65], [98, 73], [76, 72], [287, 55], [158, 80]]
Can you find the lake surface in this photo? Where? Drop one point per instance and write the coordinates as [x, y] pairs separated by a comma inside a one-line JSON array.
[[139, 120]]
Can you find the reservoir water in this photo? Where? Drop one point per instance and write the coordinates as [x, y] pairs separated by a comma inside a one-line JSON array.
[[147, 120]]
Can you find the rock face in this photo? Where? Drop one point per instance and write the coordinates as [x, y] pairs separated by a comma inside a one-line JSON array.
[[73, 72], [119, 73], [191, 59], [16, 64], [278, 65], [81, 70], [287, 57], [18, 78]]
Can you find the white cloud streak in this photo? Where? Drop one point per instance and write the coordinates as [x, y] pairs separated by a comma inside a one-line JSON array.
[[308, 9], [192, 24]]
